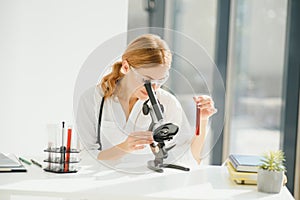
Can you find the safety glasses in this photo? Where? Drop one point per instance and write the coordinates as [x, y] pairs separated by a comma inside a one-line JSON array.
[[143, 78]]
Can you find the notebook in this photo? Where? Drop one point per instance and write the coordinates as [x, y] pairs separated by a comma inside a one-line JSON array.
[[248, 178], [9, 163], [245, 163]]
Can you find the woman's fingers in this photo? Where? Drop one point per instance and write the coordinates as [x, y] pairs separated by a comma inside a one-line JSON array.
[[208, 112], [138, 147], [141, 142], [141, 134], [204, 100], [206, 104], [138, 138]]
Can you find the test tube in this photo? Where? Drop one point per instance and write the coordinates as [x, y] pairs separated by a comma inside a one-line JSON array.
[[52, 131], [62, 148], [67, 161], [198, 116]]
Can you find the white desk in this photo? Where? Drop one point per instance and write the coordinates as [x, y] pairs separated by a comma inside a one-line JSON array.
[[96, 182]]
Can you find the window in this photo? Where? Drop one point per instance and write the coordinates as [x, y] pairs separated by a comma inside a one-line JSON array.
[[256, 65]]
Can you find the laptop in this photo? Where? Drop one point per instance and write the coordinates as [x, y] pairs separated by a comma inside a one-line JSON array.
[[9, 163]]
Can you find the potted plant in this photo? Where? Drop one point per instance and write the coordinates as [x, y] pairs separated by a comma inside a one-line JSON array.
[[271, 172]]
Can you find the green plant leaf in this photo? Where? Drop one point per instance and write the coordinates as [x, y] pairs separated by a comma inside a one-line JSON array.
[[273, 161]]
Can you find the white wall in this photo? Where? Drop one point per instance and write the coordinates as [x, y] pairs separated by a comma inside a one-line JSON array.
[[42, 47]]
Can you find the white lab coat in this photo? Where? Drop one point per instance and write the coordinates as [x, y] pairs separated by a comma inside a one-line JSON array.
[[115, 129]]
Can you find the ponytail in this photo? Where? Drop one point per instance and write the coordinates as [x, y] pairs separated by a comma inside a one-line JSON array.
[[108, 82]]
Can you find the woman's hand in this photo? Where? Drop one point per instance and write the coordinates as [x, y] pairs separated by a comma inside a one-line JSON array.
[[207, 109], [206, 104], [137, 140]]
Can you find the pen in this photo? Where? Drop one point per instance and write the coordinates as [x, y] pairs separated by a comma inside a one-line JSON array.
[[36, 163], [63, 134], [24, 161]]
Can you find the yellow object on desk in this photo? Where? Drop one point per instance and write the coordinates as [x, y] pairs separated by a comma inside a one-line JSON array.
[[247, 178]]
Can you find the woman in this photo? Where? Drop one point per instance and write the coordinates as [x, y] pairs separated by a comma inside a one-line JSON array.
[[121, 93]]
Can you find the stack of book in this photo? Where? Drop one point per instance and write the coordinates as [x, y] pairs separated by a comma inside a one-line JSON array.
[[243, 168]]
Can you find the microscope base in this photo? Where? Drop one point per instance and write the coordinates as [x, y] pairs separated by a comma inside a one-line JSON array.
[[159, 167]]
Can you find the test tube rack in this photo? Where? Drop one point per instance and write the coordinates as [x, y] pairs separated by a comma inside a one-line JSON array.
[[60, 160]]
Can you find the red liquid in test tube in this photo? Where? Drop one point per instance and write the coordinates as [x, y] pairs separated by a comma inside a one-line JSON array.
[[198, 124], [67, 161], [198, 115]]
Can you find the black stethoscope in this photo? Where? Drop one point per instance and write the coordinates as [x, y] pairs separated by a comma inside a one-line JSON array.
[[99, 124]]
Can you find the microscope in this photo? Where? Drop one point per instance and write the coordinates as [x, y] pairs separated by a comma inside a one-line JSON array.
[[161, 132]]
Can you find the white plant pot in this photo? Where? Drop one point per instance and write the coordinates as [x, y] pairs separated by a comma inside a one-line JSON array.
[[269, 181]]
